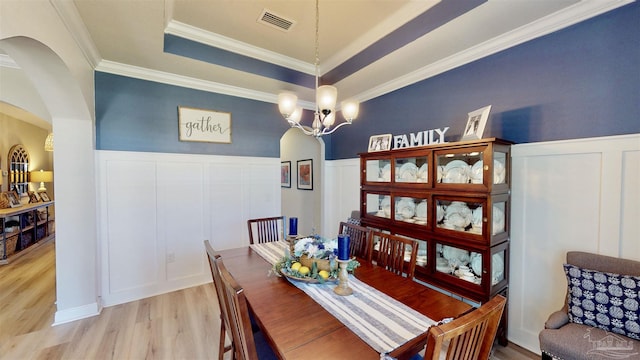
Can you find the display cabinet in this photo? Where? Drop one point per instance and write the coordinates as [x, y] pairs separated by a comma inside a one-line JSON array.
[[455, 199], [24, 226]]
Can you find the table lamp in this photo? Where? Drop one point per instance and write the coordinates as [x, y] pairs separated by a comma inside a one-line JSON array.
[[42, 177]]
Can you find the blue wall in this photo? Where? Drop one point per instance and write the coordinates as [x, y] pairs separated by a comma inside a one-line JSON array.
[[139, 115], [583, 81]]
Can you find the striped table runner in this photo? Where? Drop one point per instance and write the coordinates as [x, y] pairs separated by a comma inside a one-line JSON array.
[[381, 321]]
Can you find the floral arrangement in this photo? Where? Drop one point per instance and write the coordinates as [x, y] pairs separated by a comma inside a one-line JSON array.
[[313, 258], [315, 247]]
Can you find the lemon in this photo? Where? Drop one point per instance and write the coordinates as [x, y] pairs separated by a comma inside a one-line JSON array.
[[324, 274], [295, 266], [303, 270]]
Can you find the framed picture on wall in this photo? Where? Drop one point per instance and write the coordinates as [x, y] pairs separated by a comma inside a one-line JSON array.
[[204, 125], [380, 142], [476, 123], [285, 174], [305, 174]]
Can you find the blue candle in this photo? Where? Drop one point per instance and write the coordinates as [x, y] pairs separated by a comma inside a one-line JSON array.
[[293, 226], [343, 247]]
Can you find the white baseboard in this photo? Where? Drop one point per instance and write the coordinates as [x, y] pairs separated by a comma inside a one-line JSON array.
[[73, 314]]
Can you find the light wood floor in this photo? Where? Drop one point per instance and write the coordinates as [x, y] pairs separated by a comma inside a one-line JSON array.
[[179, 325]]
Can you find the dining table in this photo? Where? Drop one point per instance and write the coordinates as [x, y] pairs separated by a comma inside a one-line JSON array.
[[298, 327]]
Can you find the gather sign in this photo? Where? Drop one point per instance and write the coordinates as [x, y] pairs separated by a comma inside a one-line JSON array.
[[204, 125]]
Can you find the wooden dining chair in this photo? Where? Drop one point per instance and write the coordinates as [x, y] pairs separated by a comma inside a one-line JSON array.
[[247, 344], [360, 238], [264, 230], [224, 311], [469, 337], [391, 253]]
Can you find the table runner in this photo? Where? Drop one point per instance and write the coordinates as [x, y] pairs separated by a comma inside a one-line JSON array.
[[381, 321]]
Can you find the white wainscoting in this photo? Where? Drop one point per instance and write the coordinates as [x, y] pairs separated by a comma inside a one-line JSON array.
[[341, 193], [155, 211], [567, 195]]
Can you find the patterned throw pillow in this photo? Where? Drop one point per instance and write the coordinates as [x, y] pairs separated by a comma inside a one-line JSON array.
[[353, 221], [604, 300]]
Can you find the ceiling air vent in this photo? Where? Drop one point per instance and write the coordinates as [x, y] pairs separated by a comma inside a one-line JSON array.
[[269, 18]]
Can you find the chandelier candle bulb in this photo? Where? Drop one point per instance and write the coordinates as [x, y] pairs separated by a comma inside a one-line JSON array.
[[293, 226], [343, 247]]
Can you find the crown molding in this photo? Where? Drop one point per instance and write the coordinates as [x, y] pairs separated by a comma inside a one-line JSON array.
[[77, 29], [188, 82], [222, 42], [574, 14]]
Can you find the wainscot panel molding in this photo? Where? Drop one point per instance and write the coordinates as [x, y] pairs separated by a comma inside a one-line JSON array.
[[567, 195], [156, 209], [341, 192]]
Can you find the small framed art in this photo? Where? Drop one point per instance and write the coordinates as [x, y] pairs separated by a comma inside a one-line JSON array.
[[14, 199], [380, 142], [34, 197], [476, 123], [305, 174], [285, 174], [44, 196]]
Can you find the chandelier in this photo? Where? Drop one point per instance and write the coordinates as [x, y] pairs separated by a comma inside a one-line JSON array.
[[325, 108]]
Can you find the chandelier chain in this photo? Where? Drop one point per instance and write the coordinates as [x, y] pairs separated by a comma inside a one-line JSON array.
[[326, 96], [317, 43]]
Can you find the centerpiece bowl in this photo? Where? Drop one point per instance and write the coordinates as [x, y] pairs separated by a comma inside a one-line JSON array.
[[312, 259]]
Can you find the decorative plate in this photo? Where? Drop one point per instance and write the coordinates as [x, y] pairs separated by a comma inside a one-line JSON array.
[[456, 164], [407, 173], [385, 173], [406, 207], [423, 173], [499, 172], [476, 172], [421, 210]]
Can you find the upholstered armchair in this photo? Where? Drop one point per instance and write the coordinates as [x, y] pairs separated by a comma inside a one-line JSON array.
[[601, 316]]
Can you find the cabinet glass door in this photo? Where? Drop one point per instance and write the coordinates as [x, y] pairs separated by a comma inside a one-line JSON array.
[[500, 167], [421, 257], [456, 262], [378, 205], [411, 210], [412, 170], [459, 167], [378, 170], [461, 216]]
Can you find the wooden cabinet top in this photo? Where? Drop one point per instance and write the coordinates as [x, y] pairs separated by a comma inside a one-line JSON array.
[[23, 209], [448, 145]]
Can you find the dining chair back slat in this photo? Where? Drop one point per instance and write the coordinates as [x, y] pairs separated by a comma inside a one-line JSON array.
[[360, 238], [391, 253], [469, 337], [240, 321], [265, 230], [213, 257]]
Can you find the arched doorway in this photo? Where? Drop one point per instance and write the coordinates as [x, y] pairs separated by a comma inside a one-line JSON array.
[[74, 176], [305, 204]]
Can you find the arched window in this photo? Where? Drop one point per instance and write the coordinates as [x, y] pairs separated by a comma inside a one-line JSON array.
[[18, 169]]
